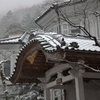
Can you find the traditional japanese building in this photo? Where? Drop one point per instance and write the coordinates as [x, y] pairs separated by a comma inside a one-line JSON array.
[[64, 18], [64, 58], [9, 49]]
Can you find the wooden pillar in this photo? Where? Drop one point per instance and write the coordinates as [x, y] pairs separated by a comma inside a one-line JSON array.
[[46, 94], [79, 86], [98, 27]]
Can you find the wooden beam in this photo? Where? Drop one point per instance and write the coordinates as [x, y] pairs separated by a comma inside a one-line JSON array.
[[55, 69], [40, 64], [22, 80], [93, 75], [64, 79], [35, 68], [30, 73]]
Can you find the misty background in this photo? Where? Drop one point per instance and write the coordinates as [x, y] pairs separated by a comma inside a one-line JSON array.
[[6, 5], [17, 16]]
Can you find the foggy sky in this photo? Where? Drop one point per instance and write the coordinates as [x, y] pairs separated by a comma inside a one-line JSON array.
[[6, 5]]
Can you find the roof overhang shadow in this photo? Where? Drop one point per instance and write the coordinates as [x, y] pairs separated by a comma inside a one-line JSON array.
[[31, 64]]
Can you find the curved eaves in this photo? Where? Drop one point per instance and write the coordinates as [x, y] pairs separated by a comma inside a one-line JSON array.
[[38, 43]]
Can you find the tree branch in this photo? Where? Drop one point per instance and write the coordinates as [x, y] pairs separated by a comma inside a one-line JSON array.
[[65, 18]]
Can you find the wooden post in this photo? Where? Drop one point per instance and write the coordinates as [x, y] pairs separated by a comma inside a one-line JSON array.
[[46, 94], [79, 85]]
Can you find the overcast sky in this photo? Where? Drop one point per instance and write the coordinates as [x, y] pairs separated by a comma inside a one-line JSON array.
[[6, 5]]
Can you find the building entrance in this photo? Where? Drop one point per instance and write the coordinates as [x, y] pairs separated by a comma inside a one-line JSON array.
[[57, 94]]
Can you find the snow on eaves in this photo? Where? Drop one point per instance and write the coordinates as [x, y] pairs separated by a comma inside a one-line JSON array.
[[50, 41], [55, 40], [10, 40], [84, 44], [13, 40]]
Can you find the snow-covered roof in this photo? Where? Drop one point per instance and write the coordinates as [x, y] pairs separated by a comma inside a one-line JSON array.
[[84, 44], [9, 40], [50, 42], [13, 40], [51, 9]]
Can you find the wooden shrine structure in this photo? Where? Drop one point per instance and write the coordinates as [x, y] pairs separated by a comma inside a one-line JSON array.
[[56, 60]]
